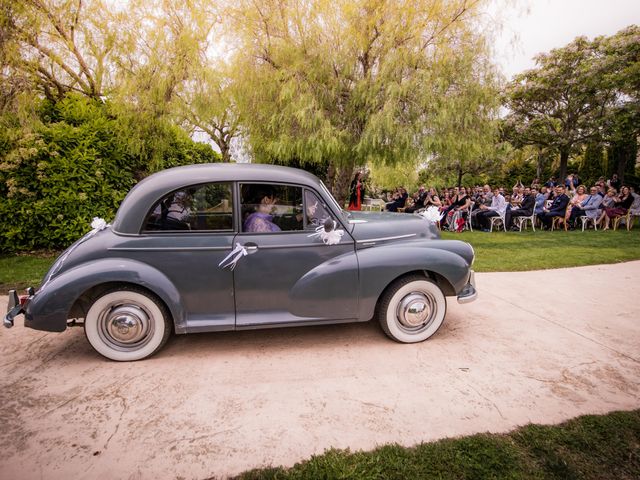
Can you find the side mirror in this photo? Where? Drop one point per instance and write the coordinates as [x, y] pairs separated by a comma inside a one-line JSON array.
[[329, 225]]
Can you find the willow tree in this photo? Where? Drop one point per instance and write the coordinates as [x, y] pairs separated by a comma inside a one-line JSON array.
[[464, 126], [345, 82], [159, 47], [205, 104], [59, 47]]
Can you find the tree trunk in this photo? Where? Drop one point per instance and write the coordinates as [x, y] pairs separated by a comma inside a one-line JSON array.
[[539, 162], [564, 159], [341, 184], [459, 175]]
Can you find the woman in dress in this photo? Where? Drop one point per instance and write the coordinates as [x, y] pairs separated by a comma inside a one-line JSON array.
[[608, 201], [579, 197], [619, 208], [356, 191], [459, 200], [432, 199], [261, 219]]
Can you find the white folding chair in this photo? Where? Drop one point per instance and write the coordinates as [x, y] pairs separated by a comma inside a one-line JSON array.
[[499, 218], [522, 221], [585, 221], [468, 221]]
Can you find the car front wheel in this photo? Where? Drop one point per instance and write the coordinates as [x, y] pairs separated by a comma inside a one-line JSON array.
[[412, 309], [126, 324]]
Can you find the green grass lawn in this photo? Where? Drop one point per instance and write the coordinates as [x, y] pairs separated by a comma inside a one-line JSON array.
[[495, 252], [588, 447], [24, 270], [519, 251]]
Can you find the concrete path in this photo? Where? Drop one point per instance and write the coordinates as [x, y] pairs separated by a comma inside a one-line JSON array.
[[536, 347]]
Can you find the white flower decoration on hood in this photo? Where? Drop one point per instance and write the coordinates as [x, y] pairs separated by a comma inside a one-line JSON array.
[[432, 214]]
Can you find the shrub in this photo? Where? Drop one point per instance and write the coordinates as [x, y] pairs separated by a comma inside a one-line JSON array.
[[66, 166]]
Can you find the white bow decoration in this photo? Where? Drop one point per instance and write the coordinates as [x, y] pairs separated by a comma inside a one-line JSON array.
[[432, 214], [233, 257], [98, 224], [328, 238]]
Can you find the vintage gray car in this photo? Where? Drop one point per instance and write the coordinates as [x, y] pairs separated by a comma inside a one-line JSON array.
[[217, 247]]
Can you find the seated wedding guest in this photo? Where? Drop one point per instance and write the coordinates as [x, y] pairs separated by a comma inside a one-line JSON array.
[[526, 208], [398, 200], [446, 200], [461, 203], [558, 208], [608, 201], [418, 201], [432, 199], [588, 207], [614, 182], [516, 196], [497, 208], [572, 181], [619, 208], [540, 199], [635, 206], [551, 183], [452, 203], [484, 198], [576, 199]]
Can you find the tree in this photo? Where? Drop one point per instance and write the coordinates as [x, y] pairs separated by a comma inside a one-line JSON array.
[[620, 56], [559, 104], [576, 95], [205, 103], [346, 82], [59, 46], [161, 45]]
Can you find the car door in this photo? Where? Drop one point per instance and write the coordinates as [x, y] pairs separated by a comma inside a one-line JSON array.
[[186, 234], [289, 276]]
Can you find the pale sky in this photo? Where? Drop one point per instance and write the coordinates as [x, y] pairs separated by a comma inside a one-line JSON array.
[[540, 25]]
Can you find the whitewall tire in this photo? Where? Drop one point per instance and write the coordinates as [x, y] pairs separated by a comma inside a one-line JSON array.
[[412, 309], [127, 324]]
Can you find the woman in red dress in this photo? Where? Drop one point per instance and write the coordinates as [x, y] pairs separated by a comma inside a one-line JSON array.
[[356, 191]]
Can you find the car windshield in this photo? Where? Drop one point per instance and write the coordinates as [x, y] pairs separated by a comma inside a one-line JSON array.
[[335, 203]]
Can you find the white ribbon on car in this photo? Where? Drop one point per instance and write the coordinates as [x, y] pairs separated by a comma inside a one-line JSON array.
[[235, 255], [432, 214], [97, 224], [328, 238]]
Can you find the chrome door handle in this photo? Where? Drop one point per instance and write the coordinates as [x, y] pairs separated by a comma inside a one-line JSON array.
[[250, 247]]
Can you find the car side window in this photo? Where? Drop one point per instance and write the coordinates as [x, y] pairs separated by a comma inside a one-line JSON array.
[[207, 208], [316, 210], [269, 208]]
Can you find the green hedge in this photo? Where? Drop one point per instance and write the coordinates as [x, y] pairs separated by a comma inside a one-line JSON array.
[[66, 165]]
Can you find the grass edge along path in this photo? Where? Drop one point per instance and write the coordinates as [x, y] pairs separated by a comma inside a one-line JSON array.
[[586, 447]]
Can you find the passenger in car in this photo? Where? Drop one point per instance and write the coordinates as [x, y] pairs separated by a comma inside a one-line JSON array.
[[261, 219]]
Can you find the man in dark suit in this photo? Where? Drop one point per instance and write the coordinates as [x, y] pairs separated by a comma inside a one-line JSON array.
[[557, 209], [525, 210]]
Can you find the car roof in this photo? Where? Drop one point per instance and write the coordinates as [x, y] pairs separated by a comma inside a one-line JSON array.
[[147, 192]]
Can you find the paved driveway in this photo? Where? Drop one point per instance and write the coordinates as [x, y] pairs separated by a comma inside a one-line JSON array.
[[535, 347]]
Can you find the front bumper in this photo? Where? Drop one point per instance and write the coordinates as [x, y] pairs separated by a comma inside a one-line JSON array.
[[469, 292]]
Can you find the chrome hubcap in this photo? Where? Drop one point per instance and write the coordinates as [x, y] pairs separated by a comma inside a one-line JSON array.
[[415, 310], [125, 325]]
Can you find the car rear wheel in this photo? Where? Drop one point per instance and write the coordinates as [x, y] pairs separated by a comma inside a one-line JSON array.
[[412, 309], [126, 324]]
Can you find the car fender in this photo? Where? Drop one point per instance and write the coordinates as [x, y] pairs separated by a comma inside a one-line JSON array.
[[49, 308], [379, 266]]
